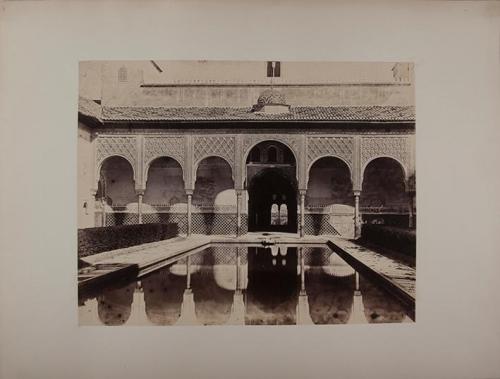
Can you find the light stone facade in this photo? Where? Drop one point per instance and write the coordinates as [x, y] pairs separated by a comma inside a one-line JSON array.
[[188, 143]]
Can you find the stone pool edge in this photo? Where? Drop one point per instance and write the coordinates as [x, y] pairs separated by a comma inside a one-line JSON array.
[[376, 276], [186, 245]]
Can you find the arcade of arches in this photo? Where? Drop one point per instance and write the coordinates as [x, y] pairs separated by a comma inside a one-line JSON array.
[[257, 185]]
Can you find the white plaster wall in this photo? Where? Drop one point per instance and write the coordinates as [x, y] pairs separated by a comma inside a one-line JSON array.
[[85, 178], [202, 83]]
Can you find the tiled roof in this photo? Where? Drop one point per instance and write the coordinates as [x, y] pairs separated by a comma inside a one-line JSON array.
[[344, 113], [89, 108]]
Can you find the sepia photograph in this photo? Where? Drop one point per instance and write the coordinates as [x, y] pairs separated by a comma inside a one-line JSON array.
[[246, 193], [228, 189]]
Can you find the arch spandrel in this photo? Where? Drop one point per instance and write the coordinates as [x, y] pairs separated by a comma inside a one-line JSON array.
[[147, 165], [400, 164], [395, 147], [319, 147], [338, 147], [164, 147], [221, 146], [317, 159], [197, 165], [119, 146]]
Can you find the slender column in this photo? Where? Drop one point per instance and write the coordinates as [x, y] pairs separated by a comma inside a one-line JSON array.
[[188, 273], [302, 273], [357, 311], [237, 316], [357, 218], [188, 312], [140, 194], [238, 212], [302, 211], [189, 198], [237, 269], [410, 209], [138, 311], [303, 315], [93, 193], [103, 204]]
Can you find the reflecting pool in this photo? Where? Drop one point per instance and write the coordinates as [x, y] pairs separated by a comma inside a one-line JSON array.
[[246, 285]]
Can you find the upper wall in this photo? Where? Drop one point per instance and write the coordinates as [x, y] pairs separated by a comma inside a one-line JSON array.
[[239, 84]]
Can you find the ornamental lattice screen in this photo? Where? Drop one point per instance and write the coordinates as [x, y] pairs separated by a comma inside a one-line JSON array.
[[318, 224], [316, 256], [175, 218], [118, 218], [218, 255], [214, 223]]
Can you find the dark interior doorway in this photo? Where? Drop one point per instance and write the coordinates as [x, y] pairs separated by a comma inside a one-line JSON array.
[[273, 284], [272, 203]]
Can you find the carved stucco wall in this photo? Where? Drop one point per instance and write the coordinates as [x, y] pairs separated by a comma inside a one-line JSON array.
[[327, 146], [140, 151], [292, 141], [108, 146], [164, 146], [218, 146], [396, 147]]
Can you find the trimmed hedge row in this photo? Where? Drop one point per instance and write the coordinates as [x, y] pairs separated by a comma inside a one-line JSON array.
[[96, 240], [390, 237]]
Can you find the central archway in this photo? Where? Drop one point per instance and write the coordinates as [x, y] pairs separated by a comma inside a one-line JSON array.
[[272, 188], [272, 202]]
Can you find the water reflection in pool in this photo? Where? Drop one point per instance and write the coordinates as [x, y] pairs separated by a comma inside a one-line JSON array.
[[229, 285]]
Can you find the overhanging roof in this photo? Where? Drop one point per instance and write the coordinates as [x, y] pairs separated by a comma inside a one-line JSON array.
[[357, 113], [90, 109]]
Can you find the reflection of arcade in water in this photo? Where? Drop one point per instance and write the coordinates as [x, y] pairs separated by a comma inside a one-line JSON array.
[[246, 286]]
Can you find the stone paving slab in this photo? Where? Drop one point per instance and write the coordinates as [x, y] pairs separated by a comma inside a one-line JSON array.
[[147, 254]]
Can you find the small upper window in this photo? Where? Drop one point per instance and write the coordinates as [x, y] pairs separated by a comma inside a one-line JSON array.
[[273, 69], [255, 155], [272, 155], [122, 74]]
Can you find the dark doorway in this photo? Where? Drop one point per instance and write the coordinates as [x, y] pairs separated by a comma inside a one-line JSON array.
[[272, 203], [273, 285]]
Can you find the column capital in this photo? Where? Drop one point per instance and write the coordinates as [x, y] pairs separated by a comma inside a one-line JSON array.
[[189, 192], [302, 191], [357, 192], [140, 191]]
